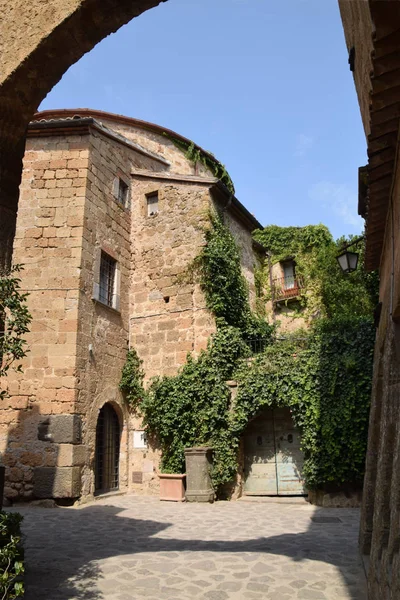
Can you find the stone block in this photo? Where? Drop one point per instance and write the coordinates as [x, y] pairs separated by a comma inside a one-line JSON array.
[[57, 482], [71, 455], [61, 429]]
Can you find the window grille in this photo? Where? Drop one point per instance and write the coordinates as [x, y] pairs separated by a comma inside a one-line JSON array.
[[107, 279]]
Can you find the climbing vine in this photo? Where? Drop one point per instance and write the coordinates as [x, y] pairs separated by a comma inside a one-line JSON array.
[[192, 408], [225, 288], [326, 291], [324, 378], [196, 155], [132, 380]]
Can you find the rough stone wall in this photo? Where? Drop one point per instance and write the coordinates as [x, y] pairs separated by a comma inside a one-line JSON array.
[[159, 144], [49, 233], [168, 315], [250, 260], [69, 213], [358, 31], [103, 331], [55, 33], [380, 523]]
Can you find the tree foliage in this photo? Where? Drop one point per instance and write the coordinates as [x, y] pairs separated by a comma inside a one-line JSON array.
[[14, 322], [11, 556]]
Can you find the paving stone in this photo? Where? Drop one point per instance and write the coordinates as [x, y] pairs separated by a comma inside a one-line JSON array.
[[216, 595], [136, 548], [308, 594]]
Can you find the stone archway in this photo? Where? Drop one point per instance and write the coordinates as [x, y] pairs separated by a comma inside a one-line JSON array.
[[39, 41]]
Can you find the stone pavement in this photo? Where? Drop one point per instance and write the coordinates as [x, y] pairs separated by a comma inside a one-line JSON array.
[[131, 548]]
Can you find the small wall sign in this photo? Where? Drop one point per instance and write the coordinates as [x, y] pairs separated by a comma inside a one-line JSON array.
[[139, 439]]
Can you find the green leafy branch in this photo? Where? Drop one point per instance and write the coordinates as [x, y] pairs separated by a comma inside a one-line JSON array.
[[11, 557], [14, 322]]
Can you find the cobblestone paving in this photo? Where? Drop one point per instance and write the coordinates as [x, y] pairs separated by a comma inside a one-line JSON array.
[[131, 548]]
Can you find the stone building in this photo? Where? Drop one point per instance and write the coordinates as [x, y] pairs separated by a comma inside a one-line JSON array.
[[111, 214], [372, 32]]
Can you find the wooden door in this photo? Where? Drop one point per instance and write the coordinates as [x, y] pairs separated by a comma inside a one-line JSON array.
[[273, 461]]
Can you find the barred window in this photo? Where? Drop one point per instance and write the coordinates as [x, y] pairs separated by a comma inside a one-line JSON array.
[[107, 279]]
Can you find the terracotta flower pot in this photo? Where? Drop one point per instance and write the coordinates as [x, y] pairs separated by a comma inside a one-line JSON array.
[[172, 487]]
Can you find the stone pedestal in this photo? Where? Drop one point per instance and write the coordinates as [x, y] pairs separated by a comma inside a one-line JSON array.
[[198, 480]]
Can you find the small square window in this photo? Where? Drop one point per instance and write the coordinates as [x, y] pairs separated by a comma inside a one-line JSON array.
[[152, 204], [107, 279], [123, 189]]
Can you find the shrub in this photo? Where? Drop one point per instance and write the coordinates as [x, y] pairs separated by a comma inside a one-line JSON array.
[[11, 556]]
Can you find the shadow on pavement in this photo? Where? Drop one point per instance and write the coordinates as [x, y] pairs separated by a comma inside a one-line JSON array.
[[63, 545]]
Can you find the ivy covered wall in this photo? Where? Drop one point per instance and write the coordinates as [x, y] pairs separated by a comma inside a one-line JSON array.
[[324, 377], [325, 290]]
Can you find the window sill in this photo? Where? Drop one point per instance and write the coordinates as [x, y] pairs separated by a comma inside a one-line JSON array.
[[104, 305]]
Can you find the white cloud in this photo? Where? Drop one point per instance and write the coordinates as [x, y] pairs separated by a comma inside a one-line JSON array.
[[303, 144], [340, 199]]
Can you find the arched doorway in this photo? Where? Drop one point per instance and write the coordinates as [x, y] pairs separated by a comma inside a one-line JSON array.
[[107, 450], [273, 461]]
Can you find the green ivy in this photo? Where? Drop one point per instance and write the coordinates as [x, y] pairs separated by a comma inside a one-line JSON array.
[[326, 382], [326, 291], [224, 286], [11, 556], [192, 408], [132, 380], [196, 155], [324, 378]]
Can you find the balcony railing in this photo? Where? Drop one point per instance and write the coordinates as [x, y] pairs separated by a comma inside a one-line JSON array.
[[286, 288]]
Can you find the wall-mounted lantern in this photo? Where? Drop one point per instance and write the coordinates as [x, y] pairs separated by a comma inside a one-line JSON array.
[[348, 261]]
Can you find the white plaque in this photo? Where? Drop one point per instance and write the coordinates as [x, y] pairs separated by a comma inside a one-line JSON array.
[[139, 439]]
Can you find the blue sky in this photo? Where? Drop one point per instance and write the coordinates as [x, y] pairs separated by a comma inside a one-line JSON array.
[[263, 84]]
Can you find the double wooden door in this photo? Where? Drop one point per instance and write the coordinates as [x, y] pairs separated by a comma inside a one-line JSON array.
[[273, 461]]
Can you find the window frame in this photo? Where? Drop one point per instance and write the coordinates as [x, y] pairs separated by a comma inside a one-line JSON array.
[[149, 196], [122, 182], [123, 192], [108, 267], [112, 298]]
